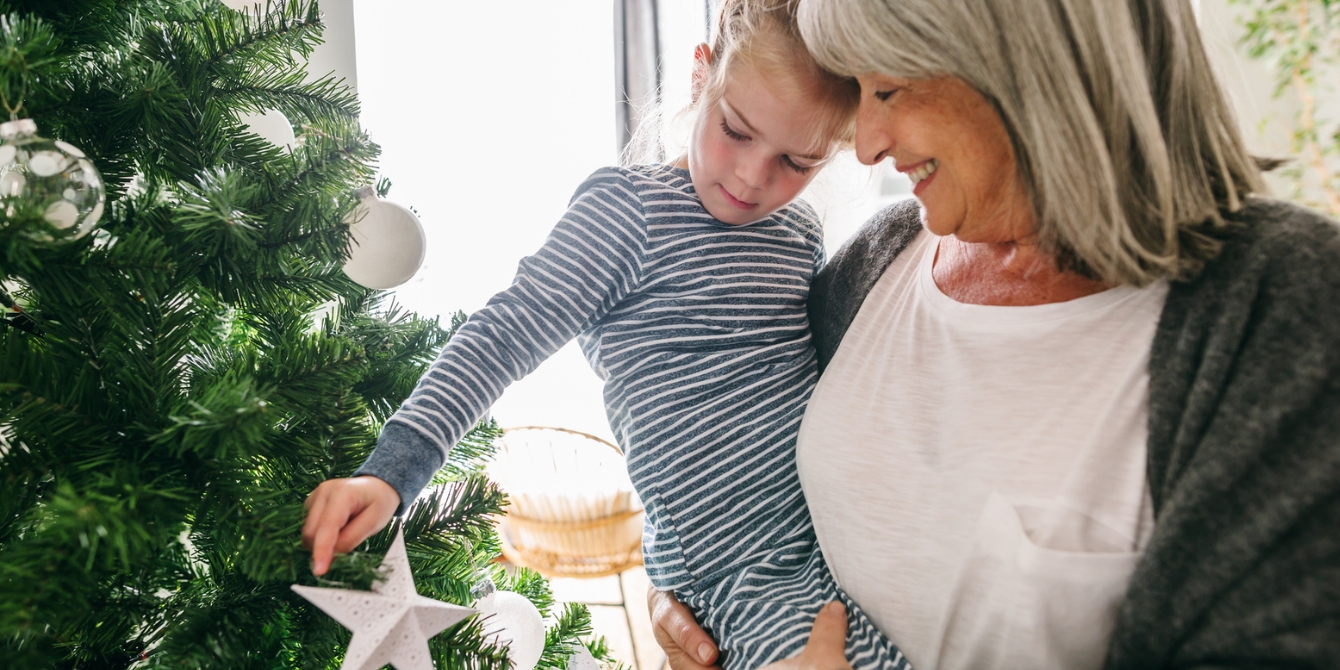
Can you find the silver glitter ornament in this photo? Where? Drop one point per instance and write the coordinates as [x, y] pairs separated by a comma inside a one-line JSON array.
[[54, 176]]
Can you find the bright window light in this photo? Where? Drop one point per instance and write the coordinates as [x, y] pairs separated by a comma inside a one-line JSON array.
[[489, 115]]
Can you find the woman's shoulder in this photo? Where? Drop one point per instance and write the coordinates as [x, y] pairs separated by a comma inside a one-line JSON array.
[[1280, 251], [840, 288], [879, 240], [1269, 228]]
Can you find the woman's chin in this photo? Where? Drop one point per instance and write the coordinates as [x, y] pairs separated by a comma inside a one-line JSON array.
[[936, 224]]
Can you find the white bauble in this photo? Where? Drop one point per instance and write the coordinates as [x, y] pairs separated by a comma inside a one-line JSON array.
[[513, 622], [386, 245], [273, 127]]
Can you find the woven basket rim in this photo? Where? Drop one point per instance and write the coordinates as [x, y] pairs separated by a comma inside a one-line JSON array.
[[569, 431], [577, 525]]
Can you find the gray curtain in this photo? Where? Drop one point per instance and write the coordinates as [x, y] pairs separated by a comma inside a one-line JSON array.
[[637, 68]]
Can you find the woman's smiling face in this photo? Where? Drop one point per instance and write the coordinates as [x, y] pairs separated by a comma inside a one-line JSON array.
[[953, 145], [754, 150]]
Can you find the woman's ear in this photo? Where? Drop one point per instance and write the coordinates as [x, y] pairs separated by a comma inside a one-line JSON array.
[[702, 64]]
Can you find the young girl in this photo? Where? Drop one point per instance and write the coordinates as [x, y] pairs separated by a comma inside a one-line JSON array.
[[686, 284]]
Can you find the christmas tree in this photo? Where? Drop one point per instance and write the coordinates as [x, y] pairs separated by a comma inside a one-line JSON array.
[[176, 380]]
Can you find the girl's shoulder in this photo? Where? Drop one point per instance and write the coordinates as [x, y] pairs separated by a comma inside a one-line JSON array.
[[801, 216], [639, 182]]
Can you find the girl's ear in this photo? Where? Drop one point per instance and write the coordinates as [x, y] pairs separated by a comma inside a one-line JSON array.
[[702, 63]]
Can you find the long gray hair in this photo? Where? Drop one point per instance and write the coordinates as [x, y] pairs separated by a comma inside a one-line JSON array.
[[1123, 138]]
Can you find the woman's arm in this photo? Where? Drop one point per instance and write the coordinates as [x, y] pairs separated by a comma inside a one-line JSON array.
[[1243, 568]]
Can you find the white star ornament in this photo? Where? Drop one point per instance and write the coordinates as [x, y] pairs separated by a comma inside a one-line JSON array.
[[392, 622]]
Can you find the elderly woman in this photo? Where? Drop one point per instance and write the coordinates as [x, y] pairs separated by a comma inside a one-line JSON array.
[[1081, 403]]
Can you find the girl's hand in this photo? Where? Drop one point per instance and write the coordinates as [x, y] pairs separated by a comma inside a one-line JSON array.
[[341, 513], [827, 648], [687, 646]]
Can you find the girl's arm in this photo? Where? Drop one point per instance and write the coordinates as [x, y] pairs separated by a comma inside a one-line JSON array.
[[589, 263]]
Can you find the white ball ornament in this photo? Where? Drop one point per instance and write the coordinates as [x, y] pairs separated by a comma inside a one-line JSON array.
[[387, 243], [52, 175], [273, 127], [513, 622]]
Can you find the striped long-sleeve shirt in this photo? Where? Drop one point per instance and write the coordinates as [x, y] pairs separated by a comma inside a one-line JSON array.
[[699, 331]]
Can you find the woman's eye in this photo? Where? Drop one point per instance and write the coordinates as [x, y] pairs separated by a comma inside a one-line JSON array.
[[885, 95], [802, 169], [731, 133]]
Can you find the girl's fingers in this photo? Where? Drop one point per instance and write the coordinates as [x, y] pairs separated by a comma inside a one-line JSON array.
[[341, 513], [315, 504], [334, 514], [371, 518]]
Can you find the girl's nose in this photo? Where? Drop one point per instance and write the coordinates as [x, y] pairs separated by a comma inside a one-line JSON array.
[[873, 139], [752, 170]]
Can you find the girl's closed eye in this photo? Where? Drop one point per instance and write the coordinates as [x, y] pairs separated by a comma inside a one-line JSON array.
[[725, 127], [884, 96], [802, 169]]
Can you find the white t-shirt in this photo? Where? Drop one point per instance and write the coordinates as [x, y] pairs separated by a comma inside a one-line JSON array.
[[977, 473]]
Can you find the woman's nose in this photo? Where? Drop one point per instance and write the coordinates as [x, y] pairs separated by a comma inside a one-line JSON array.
[[873, 139]]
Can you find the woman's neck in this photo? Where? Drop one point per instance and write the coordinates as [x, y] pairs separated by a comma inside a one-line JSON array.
[[1007, 274]]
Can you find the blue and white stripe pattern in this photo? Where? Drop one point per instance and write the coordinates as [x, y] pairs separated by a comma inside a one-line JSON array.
[[700, 332]]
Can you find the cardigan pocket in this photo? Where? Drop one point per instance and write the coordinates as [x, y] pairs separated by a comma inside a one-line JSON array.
[[1040, 589]]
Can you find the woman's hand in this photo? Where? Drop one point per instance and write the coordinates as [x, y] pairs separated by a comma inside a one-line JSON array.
[[341, 513], [827, 648], [687, 646]]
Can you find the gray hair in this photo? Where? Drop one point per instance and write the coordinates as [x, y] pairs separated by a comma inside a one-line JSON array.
[[1123, 138]]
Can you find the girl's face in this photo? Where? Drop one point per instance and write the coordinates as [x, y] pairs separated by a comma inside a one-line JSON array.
[[952, 143], [753, 150]]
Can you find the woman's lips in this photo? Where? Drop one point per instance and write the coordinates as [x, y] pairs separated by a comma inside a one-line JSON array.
[[734, 200], [921, 185], [921, 174]]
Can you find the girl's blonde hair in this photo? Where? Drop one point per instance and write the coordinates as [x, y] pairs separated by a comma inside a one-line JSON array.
[[762, 34], [1122, 136], [765, 34]]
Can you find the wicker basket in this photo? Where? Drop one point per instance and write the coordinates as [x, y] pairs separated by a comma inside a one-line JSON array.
[[573, 511]]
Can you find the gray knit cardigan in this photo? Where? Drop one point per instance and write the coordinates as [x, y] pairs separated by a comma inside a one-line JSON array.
[[1243, 569]]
